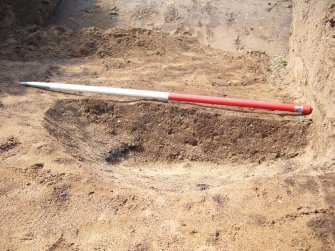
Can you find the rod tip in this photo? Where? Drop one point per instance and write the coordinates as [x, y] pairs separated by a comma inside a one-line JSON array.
[[307, 109]]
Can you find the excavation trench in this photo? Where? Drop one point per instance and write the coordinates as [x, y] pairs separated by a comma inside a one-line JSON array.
[[146, 175], [112, 132]]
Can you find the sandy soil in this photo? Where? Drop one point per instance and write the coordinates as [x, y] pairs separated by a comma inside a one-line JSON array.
[[90, 172], [224, 24]]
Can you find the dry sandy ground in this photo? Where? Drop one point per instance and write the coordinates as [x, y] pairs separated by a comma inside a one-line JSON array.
[[224, 24], [88, 172]]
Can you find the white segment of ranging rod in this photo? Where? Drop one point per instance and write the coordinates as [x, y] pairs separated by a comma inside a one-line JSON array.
[[99, 89]]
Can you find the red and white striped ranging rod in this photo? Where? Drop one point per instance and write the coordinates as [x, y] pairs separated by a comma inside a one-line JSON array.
[[304, 109]]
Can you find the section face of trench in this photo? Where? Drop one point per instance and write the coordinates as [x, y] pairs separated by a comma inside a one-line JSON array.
[[224, 24], [23, 12], [111, 132]]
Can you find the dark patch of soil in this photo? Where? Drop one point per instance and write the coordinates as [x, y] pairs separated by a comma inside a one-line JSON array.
[[37, 166], [202, 187], [166, 132], [122, 151], [9, 144], [25, 12], [324, 225]]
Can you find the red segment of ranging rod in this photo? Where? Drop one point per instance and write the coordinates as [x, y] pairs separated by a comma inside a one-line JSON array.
[[304, 109]]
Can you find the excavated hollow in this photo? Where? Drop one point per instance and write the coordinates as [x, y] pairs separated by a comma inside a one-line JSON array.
[[140, 131]]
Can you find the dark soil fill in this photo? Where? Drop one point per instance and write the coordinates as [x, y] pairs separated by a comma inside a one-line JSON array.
[[8, 145], [147, 131], [117, 153]]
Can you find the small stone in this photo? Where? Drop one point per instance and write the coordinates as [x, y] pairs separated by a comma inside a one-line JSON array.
[[202, 186], [307, 211], [37, 166]]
